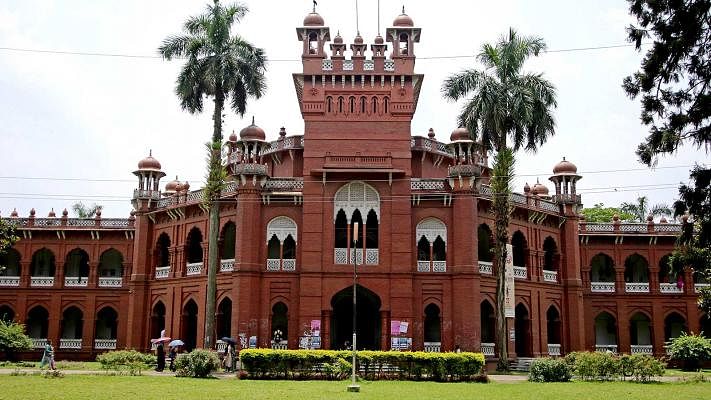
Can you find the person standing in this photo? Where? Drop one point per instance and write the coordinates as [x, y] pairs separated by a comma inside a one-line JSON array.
[[172, 353], [228, 358], [160, 358], [48, 356]]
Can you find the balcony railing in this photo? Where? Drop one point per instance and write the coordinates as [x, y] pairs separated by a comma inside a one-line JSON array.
[[550, 276], [699, 286], [670, 288], [76, 281], [105, 344], [162, 272], [9, 281], [340, 256], [372, 257], [358, 162], [439, 266], [273, 264], [641, 349], [520, 272], [433, 347], [486, 267], [553, 349], [221, 345], [74, 344], [38, 343], [227, 265], [602, 287], [110, 281], [637, 287], [280, 344], [193, 268], [42, 281], [606, 347], [488, 349], [423, 266], [288, 264]]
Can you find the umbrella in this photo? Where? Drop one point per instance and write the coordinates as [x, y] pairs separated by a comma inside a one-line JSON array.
[[176, 342], [160, 340], [229, 340]]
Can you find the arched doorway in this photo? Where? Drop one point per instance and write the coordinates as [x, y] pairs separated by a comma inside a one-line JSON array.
[[224, 318], [157, 319], [72, 328], [523, 331], [433, 327], [106, 323], [7, 314], [674, 325], [367, 323], [553, 326], [640, 334], [488, 322], [280, 325], [605, 332], [188, 325], [37, 323], [518, 242], [11, 261]]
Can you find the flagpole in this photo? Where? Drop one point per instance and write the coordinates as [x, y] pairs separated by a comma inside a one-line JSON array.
[[354, 387]]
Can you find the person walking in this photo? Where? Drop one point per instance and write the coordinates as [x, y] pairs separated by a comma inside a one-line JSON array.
[[48, 356], [228, 357], [160, 358], [172, 353]]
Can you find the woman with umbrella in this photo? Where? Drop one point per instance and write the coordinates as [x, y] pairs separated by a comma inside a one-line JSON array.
[[173, 352], [230, 354], [160, 352]]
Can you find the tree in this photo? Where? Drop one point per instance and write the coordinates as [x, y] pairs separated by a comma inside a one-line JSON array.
[[227, 68], [600, 213], [504, 103], [640, 209], [83, 211], [13, 338], [8, 237]]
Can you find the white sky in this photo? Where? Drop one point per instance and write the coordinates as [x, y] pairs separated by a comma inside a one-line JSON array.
[[69, 116]]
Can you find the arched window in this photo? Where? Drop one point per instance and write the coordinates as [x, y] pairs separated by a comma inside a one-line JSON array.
[[674, 325], [42, 263], [602, 268], [375, 105], [280, 325], [37, 323], [228, 241], [281, 247], [111, 264], [636, 269], [194, 246], [640, 332], [386, 103], [163, 250], [553, 325], [329, 104], [605, 332], [550, 254], [76, 268], [72, 324], [434, 232], [351, 102], [485, 243], [189, 325], [433, 326], [518, 242], [313, 43], [352, 202], [403, 42], [157, 319], [11, 263], [106, 323], [362, 105], [340, 104]]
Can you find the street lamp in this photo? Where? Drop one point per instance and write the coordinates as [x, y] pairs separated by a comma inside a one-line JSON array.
[[354, 387]]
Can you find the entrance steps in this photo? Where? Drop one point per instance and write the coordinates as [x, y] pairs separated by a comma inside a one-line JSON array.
[[522, 364]]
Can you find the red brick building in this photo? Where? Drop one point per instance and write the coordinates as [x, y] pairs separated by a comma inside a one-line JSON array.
[[288, 243]]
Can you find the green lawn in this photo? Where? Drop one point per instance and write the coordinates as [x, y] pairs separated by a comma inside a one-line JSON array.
[[63, 365], [162, 388]]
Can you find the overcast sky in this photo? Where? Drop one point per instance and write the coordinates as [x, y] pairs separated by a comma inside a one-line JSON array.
[[74, 117]]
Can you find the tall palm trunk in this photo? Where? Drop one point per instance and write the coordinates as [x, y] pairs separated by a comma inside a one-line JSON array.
[[212, 193], [501, 189]]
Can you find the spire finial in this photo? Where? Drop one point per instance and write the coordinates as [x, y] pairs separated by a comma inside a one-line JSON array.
[[315, 4], [253, 115], [357, 22], [378, 17], [150, 152], [403, 9]]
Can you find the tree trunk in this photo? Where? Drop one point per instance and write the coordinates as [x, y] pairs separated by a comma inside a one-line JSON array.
[[212, 196], [500, 185]]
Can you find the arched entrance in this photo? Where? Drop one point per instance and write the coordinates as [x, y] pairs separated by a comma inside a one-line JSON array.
[[523, 331], [367, 323], [157, 319], [188, 325]]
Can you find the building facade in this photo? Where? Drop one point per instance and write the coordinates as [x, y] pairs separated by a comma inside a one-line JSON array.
[[357, 187]]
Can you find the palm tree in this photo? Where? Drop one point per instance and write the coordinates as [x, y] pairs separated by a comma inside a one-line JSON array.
[[225, 67], [83, 211], [504, 103], [641, 209]]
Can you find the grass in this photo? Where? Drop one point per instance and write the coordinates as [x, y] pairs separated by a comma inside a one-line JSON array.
[[155, 387], [677, 372], [69, 365]]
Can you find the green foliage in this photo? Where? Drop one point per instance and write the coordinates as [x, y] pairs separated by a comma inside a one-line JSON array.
[[126, 361], [550, 370], [197, 364], [641, 367], [82, 210], [640, 209], [8, 237], [692, 350], [13, 338], [595, 365], [331, 364], [53, 373], [600, 213]]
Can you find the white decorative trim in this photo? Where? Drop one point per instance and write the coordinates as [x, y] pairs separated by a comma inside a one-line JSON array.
[[38, 343], [112, 282], [606, 347], [699, 286], [488, 349], [486, 268], [74, 344], [520, 272], [273, 264], [356, 195], [162, 272], [553, 349], [227, 265], [433, 347], [602, 287], [288, 264], [550, 276], [439, 266], [76, 281], [670, 288], [42, 281], [431, 228], [105, 344], [193, 268], [282, 227], [423, 266], [637, 287], [9, 281], [641, 349]]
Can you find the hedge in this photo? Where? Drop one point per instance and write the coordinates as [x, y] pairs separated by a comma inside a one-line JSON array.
[[607, 366], [331, 364], [130, 361]]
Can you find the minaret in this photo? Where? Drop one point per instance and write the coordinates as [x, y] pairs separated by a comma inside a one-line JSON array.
[[403, 36], [148, 192], [314, 35]]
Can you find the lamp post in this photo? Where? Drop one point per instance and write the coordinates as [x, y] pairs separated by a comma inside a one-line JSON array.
[[354, 387]]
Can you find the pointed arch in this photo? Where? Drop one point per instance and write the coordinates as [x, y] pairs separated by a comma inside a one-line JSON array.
[[157, 322], [10, 260], [163, 250], [193, 246], [602, 268], [281, 227], [605, 330], [518, 242], [279, 324], [636, 269], [550, 254], [43, 263], [485, 243], [111, 263], [7, 314], [189, 324], [72, 323], [37, 324], [223, 324], [228, 238], [488, 322], [356, 195], [106, 323]]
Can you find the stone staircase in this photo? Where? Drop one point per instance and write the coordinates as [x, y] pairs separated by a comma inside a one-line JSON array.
[[522, 364]]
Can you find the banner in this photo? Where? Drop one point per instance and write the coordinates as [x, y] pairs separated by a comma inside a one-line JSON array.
[[394, 328], [509, 290]]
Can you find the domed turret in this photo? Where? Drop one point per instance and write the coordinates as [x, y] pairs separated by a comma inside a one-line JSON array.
[[252, 133], [539, 189], [51, 214], [313, 19], [14, 213], [171, 187], [338, 39], [233, 137], [379, 40], [403, 20], [460, 134], [149, 163], [526, 188], [65, 213], [565, 178], [565, 167], [358, 39], [431, 134]]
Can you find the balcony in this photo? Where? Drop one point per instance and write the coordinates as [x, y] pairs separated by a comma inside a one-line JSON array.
[[38, 343], [439, 266], [42, 281], [612, 348], [72, 344], [76, 281], [162, 272], [672, 288], [699, 286], [227, 265], [358, 162], [110, 281], [280, 345], [550, 276], [9, 281], [486, 268], [433, 347], [488, 349], [193, 268], [423, 266], [105, 344], [273, 264], [637, 287], [641, 349], [602, 287], [553, 349], [520, 272], [288, 264], [340, 256]]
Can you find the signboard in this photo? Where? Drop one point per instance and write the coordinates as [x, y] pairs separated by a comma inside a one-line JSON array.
[[316, 327], [400, 343], [394, 328], [509, 290]]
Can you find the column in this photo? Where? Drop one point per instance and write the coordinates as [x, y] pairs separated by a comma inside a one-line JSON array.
[[93, 275], [326, 329]]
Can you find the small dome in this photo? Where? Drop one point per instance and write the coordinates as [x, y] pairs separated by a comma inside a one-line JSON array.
[[565, 167], [186, 186], [171, 187], [32, 213], [460, 134], [98, 213], [149, 162], [663, 220], [431, 134], [526, 188], [233, 137], [252, 132], [179, 187], [14, 213], [65, 213], [615, 218], [282, 133], [313, 19], [403, 20], [379, 40], [650, 218], [338, 39], [51, 214], [358, 39], [540, 189]]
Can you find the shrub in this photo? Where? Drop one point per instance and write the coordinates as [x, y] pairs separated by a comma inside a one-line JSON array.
[[53, 373], [641, 367], [13, 338], [197, 364], [130, 361], [550, 370], [691, 350], [595, 365], [337, 370]]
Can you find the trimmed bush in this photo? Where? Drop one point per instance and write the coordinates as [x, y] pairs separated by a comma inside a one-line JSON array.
[[595, 365], [330, 364], [641, 367], [550, 370], [691, 350], [130, 361], [197, 364]]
